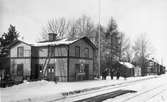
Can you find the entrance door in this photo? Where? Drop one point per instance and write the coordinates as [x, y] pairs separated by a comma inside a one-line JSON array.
[[38, 72], [51, 72], [20, 72], [77, 70], [86, 70]]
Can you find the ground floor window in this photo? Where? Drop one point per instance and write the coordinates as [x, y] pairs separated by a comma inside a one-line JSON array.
[[77, 68], [82, 71]]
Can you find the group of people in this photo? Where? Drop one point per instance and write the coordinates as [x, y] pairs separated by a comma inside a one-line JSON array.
[[112, 72]]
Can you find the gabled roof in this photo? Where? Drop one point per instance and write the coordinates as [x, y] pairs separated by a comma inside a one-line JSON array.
[[54, 43], [62, 42], [89, 42], [18, 41]]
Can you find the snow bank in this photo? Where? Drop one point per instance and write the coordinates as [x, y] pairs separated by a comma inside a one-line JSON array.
[[41, 91], [60, 42]]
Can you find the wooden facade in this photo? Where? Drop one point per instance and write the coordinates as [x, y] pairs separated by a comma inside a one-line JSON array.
[[69, 60]]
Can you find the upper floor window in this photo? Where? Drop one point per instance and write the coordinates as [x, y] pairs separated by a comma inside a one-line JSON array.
[[86, 52], [77, 51], [20, 51]]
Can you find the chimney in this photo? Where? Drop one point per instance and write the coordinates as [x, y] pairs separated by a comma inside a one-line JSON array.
[[52, 36]]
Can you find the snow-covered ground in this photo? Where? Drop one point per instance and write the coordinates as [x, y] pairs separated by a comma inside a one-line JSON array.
[[41, 91], [154, 90]]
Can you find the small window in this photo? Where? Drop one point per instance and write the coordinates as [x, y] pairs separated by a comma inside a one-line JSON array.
[[49, 69], [52, 69], [86, 52], [77, 51], [20, 52], [82, 68], [77, 68], [40, 68]]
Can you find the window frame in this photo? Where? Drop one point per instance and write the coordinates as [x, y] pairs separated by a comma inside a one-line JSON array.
[[19, 50], [86, 52], [77, 50]]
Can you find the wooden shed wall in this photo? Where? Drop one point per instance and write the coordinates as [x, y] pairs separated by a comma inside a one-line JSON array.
[[58, 59], [73, 60], [82, 44]]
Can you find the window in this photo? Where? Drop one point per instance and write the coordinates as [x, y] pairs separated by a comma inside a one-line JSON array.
[[79, 68], [82, 68], [60, 51], [86, 52], [20, 69], [20, 52], [40, 68], [77, 51]]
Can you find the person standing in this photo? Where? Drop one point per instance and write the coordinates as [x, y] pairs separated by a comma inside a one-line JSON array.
[[125, 74], [105, 73], [118, 74], [111, 73]]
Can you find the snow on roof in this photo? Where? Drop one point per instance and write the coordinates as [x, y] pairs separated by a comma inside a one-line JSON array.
[[127, 64], [60, 42]]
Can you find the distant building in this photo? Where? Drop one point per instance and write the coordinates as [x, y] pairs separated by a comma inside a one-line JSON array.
[[61, 60], [127, 69], [154, 67]]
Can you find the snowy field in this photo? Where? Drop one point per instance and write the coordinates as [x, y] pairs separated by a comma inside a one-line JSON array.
[[42, 91], [154, 90]]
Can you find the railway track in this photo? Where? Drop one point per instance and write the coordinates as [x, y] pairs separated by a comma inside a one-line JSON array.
[[98, 91], [155, 91]]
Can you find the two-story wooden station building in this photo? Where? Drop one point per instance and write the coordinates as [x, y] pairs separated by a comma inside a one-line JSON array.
[[61, 60]]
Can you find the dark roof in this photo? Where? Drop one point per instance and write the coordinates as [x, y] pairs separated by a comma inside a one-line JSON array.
[[88, 41]]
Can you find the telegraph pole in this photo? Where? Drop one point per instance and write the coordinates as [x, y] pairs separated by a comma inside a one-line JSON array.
[[99, 38]]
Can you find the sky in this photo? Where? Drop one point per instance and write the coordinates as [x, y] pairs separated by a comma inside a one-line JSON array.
[[133, 17]]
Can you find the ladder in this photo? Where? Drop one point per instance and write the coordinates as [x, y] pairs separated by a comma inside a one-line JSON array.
[[47, 61]]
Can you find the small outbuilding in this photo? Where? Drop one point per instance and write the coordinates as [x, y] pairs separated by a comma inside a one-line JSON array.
[[126, 69]]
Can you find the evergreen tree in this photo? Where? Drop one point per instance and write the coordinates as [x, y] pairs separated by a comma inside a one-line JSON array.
[[6, 39], [113, 42]]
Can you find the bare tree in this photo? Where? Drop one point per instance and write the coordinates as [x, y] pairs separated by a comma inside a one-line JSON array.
[[72, 30], [83, 26], [125, 52], [142, 46], [57, 26], [142, 50]]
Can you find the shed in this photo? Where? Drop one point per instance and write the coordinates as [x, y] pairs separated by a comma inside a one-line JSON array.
[[127, 69]]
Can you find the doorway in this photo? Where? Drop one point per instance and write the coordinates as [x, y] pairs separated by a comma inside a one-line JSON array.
[[86, 70]]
